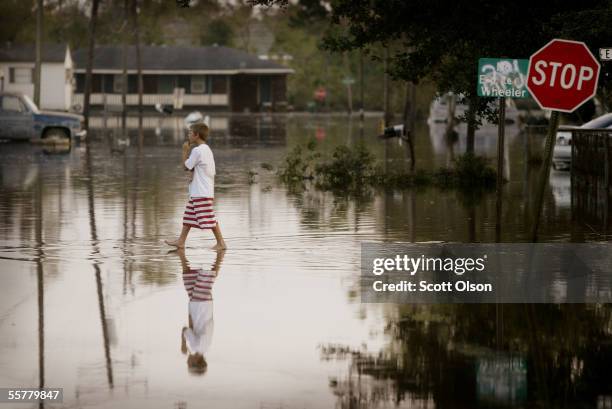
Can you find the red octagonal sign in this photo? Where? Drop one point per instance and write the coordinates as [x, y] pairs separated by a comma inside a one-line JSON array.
[[562, 75]]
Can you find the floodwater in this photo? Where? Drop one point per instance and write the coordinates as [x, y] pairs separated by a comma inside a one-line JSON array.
[[95, 303]]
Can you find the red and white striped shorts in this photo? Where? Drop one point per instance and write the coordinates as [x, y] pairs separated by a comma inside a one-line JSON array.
[[199, 213]]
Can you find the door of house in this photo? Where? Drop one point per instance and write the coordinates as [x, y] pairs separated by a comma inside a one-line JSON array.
[[265, 91]]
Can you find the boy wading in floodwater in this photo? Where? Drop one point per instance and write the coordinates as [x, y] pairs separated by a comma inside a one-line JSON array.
[[199, 212]]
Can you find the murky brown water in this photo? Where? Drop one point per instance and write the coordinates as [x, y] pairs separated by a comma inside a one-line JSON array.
[[93, 302]]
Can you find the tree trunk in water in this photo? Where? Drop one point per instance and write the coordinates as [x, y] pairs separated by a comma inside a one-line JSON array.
[[349, 91], [139, 69], [37, 64], [361, 85], [471, 125], [409, 122], [90, 55], [387, 90]]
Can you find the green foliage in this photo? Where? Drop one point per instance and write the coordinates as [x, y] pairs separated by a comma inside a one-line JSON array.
[[219, 32], [472, 170], [349, 169], [354, 170], [442, 40], [299, 164]]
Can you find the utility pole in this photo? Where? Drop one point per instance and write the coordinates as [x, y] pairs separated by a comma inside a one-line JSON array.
[[124, 76], [90, 55], [138, 68], [37, 65]]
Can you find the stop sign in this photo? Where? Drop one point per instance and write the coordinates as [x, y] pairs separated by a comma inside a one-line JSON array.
[[562, 75]]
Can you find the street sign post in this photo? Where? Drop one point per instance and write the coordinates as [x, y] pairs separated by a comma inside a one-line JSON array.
[[501, 78], [562, 76]]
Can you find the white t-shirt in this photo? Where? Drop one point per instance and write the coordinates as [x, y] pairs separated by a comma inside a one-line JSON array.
[[202, 161], [199, 338]]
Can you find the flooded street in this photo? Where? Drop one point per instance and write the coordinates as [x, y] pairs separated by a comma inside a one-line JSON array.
[[95, 303]]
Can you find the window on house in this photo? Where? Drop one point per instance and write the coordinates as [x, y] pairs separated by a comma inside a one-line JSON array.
[[149, 84], [184, 81], [108, 80], [198, 84], [165, 84], [96, 83], [18, 75], [219, 84], [80, 83], [118, 84], [133, 84]]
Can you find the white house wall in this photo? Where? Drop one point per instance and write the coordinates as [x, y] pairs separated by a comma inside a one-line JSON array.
[[56, 91], [27, 89], [53, 91]]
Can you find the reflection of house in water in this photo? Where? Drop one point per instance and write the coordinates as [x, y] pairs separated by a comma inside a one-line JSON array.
[[561, 186], [477, 356], [218, 78], [239, 130], [591, 180], [263, 130], [454, 144]]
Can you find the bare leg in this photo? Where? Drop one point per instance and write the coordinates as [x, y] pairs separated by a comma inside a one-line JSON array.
[[180, 242], [220, 242]]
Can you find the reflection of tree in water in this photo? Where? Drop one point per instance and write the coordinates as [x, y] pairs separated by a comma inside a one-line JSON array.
[[319, 208], [436, 356]]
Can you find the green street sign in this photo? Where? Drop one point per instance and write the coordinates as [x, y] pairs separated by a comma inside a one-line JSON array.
[[502, 77], [348, 80]]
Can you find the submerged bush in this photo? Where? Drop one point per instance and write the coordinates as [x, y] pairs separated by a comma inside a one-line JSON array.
[[347, 169], [353, 170], [474, 171], [299, 164]]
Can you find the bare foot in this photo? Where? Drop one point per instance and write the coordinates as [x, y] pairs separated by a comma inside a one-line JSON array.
[[175, 243], [219, 246]]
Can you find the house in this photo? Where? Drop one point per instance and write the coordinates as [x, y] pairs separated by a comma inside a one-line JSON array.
[[17, 73], [211, 78]]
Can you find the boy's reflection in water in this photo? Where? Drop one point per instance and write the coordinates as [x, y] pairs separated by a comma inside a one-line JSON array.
[[195, 340]]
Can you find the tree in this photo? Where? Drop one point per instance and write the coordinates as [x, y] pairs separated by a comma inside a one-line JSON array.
[[443, 39], [218, 32]]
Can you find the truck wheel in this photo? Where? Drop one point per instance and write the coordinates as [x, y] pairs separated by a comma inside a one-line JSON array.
[[56, 134]]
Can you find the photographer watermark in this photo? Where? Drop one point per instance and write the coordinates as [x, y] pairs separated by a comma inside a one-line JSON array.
[[486, 273]]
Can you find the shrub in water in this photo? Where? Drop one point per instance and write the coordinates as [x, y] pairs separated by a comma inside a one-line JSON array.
[[299, 164], [474, 171], [347, 169]]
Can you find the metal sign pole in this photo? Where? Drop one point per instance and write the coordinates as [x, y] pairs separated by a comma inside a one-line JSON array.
[[545, 172], [500, 166]]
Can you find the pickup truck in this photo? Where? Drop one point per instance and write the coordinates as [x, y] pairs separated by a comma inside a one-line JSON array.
[[21, 119]]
